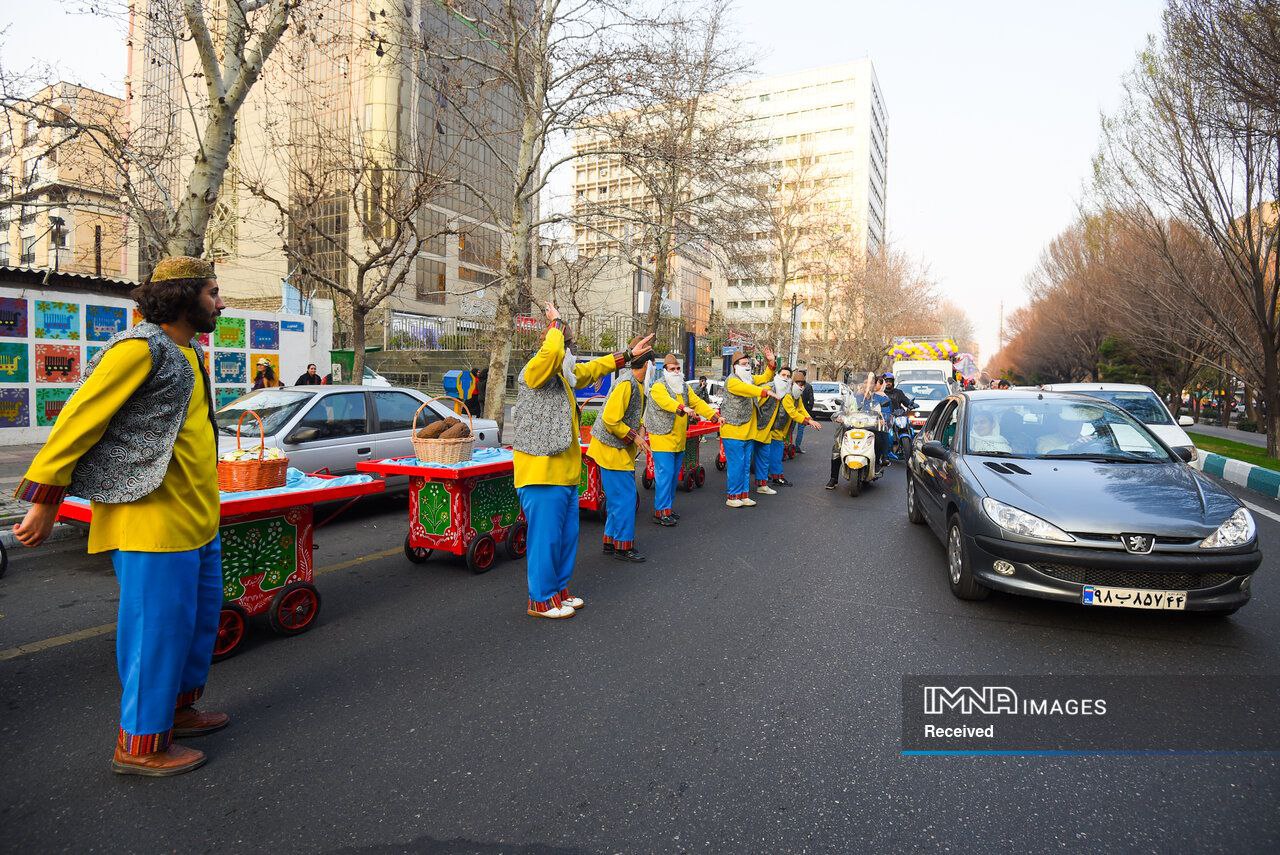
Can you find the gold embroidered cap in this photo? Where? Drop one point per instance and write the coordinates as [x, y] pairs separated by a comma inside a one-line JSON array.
[[182, 267]]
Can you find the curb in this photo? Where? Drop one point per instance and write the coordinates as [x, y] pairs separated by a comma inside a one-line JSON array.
[[1256, 478], [60, 532]]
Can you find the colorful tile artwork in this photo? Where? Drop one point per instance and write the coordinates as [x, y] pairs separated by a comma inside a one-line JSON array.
[[229, 367], [49, 403], [102, 322], [230, 333], [203, 338], [273, 358], [13, 317], [57, 320], [15, 364], [14, 408], [226, 394], [264, 335], [57, 363], [90, 352]]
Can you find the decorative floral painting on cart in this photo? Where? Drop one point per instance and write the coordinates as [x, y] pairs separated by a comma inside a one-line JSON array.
[[262, 553]]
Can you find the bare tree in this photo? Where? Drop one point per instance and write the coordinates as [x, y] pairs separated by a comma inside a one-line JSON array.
[[575, 285], [1179, 152], [192, 117]]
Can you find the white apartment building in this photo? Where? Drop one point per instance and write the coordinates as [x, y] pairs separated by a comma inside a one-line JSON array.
[[835, 119]]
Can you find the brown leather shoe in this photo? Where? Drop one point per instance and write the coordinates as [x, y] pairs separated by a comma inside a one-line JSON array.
[[175, 760], [189, 722]]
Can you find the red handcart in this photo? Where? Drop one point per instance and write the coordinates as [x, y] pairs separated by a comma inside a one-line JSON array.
[[267, 557], [590, 490], [466, 509], [692, 472]]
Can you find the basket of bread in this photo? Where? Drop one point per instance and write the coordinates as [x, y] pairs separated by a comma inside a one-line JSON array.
[[447, 440], [258, 468]]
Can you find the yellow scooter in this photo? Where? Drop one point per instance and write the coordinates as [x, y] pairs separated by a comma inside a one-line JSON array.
[[858, 450]]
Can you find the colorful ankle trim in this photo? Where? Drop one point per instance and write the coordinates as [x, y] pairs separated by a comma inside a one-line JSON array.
[[186, 699], [140, 745], [608, 541], [546, 605], [623, 545]]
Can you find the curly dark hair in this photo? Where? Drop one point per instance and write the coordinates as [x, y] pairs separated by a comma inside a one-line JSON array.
[[168, 301]]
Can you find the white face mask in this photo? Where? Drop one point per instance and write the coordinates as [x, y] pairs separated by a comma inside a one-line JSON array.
[[566, 368], [743, 373], [674, 381], [782, 385]]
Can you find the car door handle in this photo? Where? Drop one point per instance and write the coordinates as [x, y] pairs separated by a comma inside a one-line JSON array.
[[365, 450]]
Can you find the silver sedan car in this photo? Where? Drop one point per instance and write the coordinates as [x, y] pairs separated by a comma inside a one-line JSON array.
[[336, 427]]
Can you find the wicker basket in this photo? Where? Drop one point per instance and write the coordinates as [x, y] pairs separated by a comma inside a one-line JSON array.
[[237, 476], [443, 450]]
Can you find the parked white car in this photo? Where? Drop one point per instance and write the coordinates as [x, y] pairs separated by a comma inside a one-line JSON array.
[[1142, 403], [336, 427], [828, 398]]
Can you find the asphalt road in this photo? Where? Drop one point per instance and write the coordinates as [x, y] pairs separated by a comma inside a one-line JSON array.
[[740, 692]]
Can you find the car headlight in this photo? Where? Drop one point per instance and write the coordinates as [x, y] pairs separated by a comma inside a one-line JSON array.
[[1022, 523], [1236, 531]]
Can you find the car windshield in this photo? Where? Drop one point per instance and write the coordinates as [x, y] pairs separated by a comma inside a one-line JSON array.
[[825, 388], [1143, 406], [919, 375], [926, 391], [274, 406], [1059, 429]]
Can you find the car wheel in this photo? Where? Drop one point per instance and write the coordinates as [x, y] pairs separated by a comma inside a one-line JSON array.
[[914, 516], [959, 570]]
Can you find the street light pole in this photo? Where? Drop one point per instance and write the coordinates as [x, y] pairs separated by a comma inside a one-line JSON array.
[[796, 309]]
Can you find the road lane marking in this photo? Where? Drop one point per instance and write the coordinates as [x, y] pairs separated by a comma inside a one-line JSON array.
[[1266, 513], [106, 628]]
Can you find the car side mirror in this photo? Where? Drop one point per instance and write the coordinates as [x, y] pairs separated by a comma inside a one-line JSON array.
[[1186, 421], [1185, 453], [934, 449], [306, 434]]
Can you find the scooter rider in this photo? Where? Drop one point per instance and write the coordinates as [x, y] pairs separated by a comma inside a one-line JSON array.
[[869, 399], [897, 397]]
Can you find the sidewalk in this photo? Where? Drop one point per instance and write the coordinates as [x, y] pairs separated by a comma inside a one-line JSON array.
[[14, 460], [1256, 439]]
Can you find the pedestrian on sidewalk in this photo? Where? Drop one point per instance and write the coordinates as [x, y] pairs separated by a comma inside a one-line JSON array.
[[548, 461], [138, 440], [790, 412], [806, 400], [666, 418], [308, 378], [738, 424], [616, 438]]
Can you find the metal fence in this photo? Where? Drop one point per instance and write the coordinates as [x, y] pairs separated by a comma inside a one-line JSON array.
[[592, 333]]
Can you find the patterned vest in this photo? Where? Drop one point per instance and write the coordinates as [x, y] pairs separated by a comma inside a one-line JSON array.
[[736, 409], [132, 457], [631, 418], [784, 418], [658, 421], [766, 409], [543, 417]]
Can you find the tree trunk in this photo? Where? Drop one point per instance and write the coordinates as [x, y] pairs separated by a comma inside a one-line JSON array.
[[191, 219], [358, 317], [660, 272]]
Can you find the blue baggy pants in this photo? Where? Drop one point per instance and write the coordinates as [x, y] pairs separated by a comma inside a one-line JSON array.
[[737, 456], [552, 513], [666, 469], [620, 493]]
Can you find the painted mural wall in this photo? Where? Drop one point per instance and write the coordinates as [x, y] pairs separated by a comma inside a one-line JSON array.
[[48, 338]]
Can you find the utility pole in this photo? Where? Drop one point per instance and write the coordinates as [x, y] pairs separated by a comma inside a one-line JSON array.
[[796, 310]]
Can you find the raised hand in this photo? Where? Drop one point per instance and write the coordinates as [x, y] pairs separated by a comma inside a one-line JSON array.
[[552, 313], [768, 354], [643, 346]]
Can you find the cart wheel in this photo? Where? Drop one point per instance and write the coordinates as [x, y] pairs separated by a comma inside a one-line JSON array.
[[700, 475], [481, 554], [689, 480], [294, 609], [647, 481], [416, 554], [720, 465], [231, 632], [518, 540]]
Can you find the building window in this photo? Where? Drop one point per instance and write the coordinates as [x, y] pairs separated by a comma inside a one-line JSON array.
[[4, 255]]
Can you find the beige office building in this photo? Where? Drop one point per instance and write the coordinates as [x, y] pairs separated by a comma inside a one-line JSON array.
[[364, 86], [826, 125], [59, 197]]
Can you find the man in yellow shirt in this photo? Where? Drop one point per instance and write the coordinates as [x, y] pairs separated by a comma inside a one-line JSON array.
[[138, 440], [615, 439], [548, 461], [667, 421], [780, 413], [738, 424]]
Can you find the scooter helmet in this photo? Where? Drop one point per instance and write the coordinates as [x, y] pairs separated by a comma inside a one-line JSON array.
[[888, 375]]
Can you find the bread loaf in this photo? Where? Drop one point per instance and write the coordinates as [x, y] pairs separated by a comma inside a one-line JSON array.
[[432, 430], [456, 431]]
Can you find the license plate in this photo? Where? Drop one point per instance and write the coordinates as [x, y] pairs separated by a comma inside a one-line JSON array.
[[1133, 598]]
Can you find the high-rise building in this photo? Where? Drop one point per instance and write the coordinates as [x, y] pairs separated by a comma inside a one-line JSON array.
[[59, 197], [345, 95], [826, 128]]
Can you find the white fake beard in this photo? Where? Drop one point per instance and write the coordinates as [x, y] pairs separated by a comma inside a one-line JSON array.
[[675, 383], [781, 387], [743, 373], [566, 368]]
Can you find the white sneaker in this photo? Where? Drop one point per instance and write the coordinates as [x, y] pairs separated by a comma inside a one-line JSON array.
[[573, 602], [559, 612], [734, 503], [748, 503], [766, 490]]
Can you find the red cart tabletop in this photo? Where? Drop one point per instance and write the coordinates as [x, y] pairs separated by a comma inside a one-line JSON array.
[[395, 466], [702, 428], [80, 510]]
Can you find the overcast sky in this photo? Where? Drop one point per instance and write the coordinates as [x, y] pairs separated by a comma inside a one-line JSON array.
[[993, 110]]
